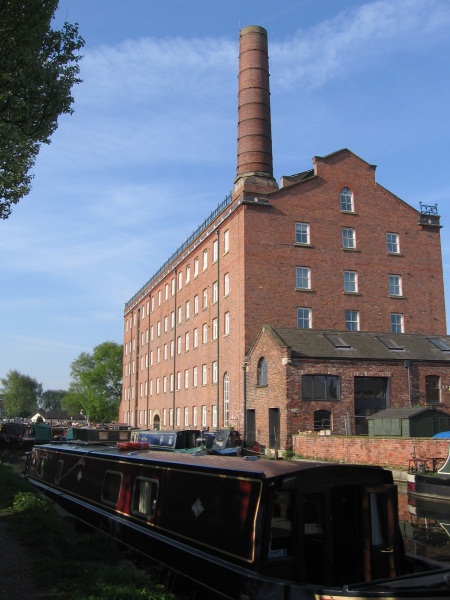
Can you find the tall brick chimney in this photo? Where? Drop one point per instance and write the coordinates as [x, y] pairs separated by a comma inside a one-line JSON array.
[[254, 145]]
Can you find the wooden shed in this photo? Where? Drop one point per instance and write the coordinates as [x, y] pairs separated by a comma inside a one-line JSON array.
[[420, 421]]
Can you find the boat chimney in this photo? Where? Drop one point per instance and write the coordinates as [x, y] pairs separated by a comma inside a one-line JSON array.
[[254, 143]]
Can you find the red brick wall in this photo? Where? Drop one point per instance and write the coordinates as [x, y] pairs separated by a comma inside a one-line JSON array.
[[271, 256], [390, 452]]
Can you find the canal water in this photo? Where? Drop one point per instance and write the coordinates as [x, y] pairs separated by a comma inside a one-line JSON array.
[[425, 524]]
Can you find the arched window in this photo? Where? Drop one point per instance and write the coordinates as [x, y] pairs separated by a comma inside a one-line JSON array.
[[347, 200], [322, 420], [261, 375], [226, 400], [156, 423]]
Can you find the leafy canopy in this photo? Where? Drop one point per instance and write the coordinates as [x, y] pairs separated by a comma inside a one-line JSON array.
[[50, 400], [96, 386], [21, 394], [38, 68]]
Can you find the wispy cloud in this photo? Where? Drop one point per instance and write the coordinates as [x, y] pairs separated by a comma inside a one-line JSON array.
[[355, 38]]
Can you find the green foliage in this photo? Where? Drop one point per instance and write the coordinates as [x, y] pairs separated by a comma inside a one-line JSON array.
[[28, 506], [70, 564], [10, 485], [51, 400], [96, 385], [21, 394], [38, 68]]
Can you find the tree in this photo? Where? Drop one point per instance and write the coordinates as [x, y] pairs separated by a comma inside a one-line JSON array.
[[51, 400], [96, 386], [21, 394], [38, 68]]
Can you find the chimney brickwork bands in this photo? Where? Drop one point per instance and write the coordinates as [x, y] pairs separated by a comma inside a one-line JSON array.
[[254, 152]]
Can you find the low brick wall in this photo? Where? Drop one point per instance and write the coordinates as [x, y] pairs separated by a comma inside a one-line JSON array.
[[386, 452]]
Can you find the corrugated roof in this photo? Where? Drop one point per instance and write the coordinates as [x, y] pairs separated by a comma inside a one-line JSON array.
[[312, 343]]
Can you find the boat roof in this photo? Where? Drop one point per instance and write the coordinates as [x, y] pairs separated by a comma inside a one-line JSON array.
[[260, 468]]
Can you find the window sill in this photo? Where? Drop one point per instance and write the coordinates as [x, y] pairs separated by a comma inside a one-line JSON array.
[[308, 290], [349, 249], [395, 254], [348, 212], [352, 293], [395, 297], [299, 245]]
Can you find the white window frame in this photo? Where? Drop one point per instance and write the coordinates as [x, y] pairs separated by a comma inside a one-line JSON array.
[[226, 324], [350, 282], [302, 234], [392, 243], [351, 320], [395, 285], [194, 376], [226, 241], [397, 323], [346, 200], [302, 278], [348, 238], [304, 318]]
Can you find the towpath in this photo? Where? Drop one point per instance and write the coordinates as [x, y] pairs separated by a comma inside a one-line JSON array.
[[15, 567]]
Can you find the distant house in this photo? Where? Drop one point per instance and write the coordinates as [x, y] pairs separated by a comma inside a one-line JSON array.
[[54, 417]]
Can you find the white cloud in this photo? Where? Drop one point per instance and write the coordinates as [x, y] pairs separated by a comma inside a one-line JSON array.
[[355, 38]]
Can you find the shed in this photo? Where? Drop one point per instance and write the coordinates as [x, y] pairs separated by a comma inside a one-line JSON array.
[[420, 421]]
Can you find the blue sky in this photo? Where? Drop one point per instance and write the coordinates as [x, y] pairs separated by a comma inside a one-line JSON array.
[[150, 150]]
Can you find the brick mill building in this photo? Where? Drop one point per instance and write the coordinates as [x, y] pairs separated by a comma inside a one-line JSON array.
[[306, 305]]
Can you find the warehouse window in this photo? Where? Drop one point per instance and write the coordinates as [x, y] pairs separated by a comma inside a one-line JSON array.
[[433, 388], [261, 373], [320, 387], [346, 199], [302, 233], [303, 318]]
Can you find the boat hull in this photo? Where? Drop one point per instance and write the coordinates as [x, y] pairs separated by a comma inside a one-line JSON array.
[[213, 519]]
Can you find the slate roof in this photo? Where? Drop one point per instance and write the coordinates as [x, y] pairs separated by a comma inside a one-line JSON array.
[[360, 345]]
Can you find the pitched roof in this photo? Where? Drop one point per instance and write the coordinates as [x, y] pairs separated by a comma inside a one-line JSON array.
[[361, 345], [404, 413]]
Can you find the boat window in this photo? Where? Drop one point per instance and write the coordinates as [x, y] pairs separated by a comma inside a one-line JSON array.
[[281, 530], [111, 487], [42, 466], [314, 536], [59, 470], [144, 497]]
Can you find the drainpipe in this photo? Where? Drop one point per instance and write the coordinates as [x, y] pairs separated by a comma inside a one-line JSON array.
[[174, 349], [407, 365], [218, 329]]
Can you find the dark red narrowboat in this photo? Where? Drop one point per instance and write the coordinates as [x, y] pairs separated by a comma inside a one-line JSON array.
[[246, 529]]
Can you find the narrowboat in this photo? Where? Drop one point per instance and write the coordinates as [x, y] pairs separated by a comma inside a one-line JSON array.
[[225, 442], [429, 478], [245, 529], [183, 440], [99, 434]]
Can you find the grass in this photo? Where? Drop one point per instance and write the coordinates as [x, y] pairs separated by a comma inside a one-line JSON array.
[[68, 563]]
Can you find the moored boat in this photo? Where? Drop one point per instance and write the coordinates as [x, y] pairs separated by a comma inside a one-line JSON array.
[[247, 529], [429, 478], [99, 434], [182, 440]]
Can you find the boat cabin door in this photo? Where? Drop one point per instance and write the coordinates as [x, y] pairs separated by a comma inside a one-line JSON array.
[[381, 536]]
